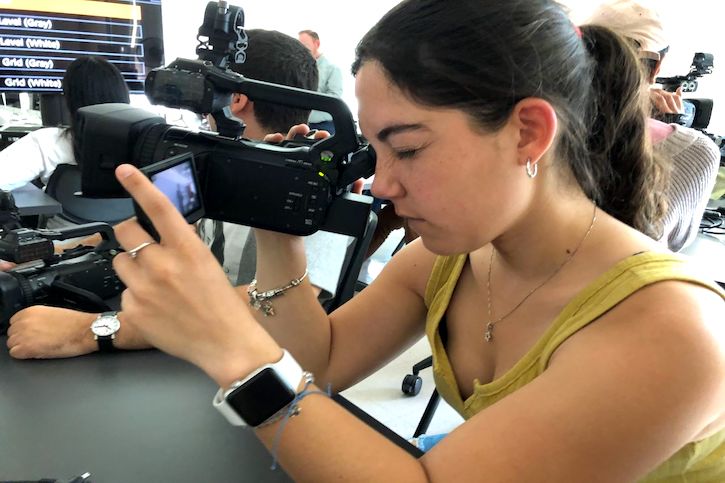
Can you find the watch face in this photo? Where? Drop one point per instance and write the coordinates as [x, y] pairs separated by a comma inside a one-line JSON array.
[[261, 397], [105, 325]]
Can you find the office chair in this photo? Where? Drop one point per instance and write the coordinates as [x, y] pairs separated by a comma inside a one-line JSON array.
[[63, 185], [351, 265], [411, 386]]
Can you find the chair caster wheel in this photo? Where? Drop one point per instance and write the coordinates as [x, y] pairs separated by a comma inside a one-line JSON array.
[[411, 385]]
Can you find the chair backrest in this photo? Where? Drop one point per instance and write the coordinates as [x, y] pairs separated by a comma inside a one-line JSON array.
[[351, 265], [63, 185]]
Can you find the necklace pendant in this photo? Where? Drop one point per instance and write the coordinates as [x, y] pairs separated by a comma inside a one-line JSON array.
[[488, 335]]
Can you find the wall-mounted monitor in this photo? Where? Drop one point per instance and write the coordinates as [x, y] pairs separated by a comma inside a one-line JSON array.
[[39, 38]]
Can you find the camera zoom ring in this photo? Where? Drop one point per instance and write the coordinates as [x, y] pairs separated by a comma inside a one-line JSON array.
[[26, 289], [147, 147]]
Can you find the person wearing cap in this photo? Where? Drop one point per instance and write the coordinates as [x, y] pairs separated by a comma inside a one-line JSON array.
[[694, 158]]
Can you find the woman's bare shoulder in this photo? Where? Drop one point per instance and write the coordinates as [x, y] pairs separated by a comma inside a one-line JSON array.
[[410, 267]]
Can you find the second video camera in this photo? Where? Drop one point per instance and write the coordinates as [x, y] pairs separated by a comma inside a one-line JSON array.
[[697, 111], [81, 278]]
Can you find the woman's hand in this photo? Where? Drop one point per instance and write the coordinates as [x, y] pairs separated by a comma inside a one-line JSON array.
[[178, 297], [667, 102]]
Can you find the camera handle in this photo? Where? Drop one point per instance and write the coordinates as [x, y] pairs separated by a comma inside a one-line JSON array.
[[80, 298], [108, 242]]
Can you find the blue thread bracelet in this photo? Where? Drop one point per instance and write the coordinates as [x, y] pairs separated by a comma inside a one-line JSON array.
[[290, 411]]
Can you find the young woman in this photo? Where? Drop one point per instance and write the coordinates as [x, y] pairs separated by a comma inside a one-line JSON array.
[[87, 81], [576, 347]]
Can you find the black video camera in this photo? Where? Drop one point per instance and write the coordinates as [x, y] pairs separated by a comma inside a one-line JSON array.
[[697, 111], [81, 278], [298, 186], [702, 64]]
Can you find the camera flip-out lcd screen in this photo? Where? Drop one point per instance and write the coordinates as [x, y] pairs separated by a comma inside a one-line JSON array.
[[177, 182], [176, 178]]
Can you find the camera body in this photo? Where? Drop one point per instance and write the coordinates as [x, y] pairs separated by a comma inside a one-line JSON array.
[[297, 187], [81, 278], [83, 282]]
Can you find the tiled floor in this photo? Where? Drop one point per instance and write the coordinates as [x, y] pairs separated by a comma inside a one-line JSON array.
[[380, 395]]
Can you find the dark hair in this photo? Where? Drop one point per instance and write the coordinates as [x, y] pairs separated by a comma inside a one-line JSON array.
[[311, 33], [88, 81], [483, 57], [278, 58], [92, 80], [635, 180]]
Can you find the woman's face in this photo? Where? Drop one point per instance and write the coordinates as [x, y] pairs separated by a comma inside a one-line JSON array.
[[457, 186]]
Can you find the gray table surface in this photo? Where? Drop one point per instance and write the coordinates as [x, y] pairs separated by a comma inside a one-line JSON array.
[[32, 201], [125, 417]]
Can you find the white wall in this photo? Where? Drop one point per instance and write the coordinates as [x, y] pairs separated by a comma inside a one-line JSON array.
[[694, 26]]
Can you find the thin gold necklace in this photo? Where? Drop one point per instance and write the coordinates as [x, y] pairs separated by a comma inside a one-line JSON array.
[[488, 335]]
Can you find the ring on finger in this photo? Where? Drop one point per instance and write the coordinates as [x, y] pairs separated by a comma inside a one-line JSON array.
[[133, 253]]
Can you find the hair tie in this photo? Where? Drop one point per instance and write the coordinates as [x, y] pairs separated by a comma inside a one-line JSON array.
[[578, 31]]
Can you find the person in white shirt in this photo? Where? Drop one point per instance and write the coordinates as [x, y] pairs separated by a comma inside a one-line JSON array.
[[87, 81]]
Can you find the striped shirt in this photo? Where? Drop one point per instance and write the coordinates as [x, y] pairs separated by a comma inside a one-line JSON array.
[[695, 162]]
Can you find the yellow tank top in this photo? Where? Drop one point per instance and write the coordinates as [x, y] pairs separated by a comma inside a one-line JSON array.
[[701, 461]]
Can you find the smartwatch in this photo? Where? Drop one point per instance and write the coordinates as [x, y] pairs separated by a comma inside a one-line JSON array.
[[104, 330], [262, 394]]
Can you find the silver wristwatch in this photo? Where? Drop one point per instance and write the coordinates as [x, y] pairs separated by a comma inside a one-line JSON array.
[[104, 330]]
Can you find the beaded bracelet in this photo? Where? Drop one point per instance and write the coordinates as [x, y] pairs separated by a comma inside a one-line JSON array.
[[261, 300]]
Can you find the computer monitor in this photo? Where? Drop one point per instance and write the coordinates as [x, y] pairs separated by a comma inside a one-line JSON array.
[[40, 38]]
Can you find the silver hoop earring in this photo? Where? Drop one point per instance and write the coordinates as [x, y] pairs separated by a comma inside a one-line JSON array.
[[529, 172]]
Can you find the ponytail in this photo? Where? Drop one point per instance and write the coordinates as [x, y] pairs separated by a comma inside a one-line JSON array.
[[529, 48], [632, 180]]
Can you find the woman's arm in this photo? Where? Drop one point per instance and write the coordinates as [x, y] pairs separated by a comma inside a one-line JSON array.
[[205, 307], [375, 326], [619, 397], [694, 171]]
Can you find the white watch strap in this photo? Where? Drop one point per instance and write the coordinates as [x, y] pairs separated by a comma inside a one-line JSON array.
[[288, 370]]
